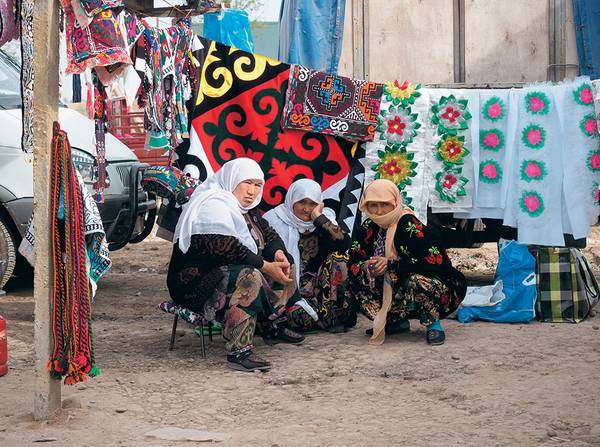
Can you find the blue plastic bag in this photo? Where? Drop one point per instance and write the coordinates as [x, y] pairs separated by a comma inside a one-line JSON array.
[[516, 269], [230, 27]]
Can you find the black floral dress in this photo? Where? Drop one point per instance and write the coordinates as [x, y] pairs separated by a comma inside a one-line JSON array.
[[323, 254], [425, 285]]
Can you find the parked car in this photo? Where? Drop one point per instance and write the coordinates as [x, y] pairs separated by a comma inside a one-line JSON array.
[[128, 212]]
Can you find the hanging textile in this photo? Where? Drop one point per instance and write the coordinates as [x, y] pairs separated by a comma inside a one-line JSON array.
[[580, 155], [27, 76], [399, 149], [310, 33], [238, 114], [99, 44], [229, 27], [495, 152], [450, 160], [84, 11], [330, 104], [101, 182], [96, 245], [536, 195], [9, 21], [73, 349], [76, 88]]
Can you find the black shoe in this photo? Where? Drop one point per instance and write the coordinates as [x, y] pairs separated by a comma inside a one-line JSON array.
[[435, 337], [398, 327], [283, 335], [247, 361]]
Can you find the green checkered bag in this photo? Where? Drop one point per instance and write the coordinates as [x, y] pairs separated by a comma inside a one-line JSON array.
[[566, 287]]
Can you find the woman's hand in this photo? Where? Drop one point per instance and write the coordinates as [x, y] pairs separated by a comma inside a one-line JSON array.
[[281, 257], [275, 270], [377, 264], [317, 211]]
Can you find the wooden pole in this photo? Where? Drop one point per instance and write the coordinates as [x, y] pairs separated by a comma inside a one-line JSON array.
[[47, 391]]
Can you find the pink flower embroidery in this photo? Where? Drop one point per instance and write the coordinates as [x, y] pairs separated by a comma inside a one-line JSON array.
[[536, 104], [533, 170], [532, 202], [489, 170], [585, 95], [595, 161], [591, 127], [534, 137], [491, 140], [494, 110]]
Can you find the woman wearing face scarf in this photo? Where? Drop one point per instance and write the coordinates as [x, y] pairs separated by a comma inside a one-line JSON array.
[[398, 270], [317, 245], [229, 265]]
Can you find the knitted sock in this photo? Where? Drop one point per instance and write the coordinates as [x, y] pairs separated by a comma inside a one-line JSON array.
[[437, 326]]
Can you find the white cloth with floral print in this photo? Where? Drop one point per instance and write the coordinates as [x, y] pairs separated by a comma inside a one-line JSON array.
[[399, 149], [580, 155], [452, 185], [534, 202]]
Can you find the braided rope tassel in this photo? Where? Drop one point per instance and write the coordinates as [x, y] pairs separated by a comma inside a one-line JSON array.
[[72, 353]]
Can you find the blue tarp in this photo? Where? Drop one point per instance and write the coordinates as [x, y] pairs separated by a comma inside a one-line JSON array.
[[310, 33], [587, 31]]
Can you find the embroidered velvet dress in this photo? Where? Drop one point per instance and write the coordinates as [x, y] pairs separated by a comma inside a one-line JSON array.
[[219, 277], [425, 284], [323, 278]]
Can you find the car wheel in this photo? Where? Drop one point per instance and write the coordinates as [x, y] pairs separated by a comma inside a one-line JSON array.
[[8, 253]]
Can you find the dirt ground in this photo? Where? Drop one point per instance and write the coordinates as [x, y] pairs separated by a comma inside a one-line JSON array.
[[489, 385]]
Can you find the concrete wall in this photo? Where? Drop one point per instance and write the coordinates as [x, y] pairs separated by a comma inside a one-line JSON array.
[[505, 41]]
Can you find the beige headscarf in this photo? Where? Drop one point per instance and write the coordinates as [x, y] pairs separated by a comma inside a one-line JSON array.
[[384, 191]]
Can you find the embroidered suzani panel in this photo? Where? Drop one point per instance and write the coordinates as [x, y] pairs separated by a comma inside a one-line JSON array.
[[331, 104]]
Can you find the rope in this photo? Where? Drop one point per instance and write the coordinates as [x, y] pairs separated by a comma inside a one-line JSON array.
[[72, 353]]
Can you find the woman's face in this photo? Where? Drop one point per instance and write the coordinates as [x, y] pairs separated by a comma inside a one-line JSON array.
[[303, 209], [247, 191], [379, 208]]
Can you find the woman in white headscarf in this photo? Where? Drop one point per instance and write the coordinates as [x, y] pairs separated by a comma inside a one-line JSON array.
[[317, 245], [229, 265], [398, 268]]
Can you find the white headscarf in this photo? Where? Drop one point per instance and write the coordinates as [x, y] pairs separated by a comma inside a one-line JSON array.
[[288, 225], [213, 209]]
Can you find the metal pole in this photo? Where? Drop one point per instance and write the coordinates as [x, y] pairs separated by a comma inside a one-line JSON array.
[[47, 391], [459, 41]]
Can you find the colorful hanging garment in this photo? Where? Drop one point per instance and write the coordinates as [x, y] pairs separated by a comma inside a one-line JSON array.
[[450, 158], [238, 114], [536, 195], [329, 104], [9, 21], [96, 245], [101, 182], [399, 149], [84, 11], [27, 76], [73, 349], [580, 155], [100, 44]]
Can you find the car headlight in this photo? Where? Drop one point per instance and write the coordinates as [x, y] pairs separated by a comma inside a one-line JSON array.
[[85, 164]]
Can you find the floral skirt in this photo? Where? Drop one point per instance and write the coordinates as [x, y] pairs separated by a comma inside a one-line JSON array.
[[424, 298], [240, 297], [325, 292]]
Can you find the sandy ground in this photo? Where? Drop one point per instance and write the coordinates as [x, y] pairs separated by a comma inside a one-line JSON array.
[[489, 385]]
